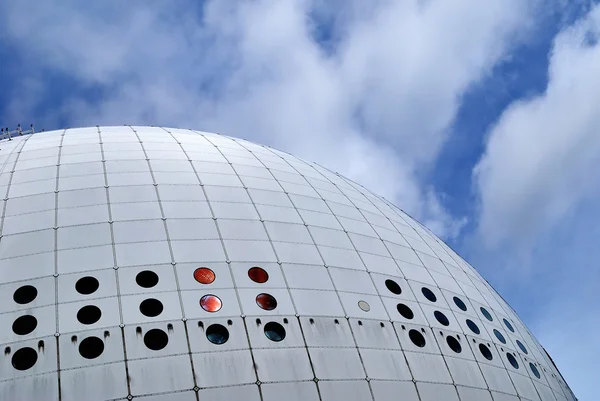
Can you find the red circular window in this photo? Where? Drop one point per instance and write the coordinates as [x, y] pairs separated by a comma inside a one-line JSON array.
[[204, 275], [211, 303], [258, 275], [266, 301]]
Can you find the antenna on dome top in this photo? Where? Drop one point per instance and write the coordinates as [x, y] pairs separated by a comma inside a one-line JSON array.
[[6, 133]]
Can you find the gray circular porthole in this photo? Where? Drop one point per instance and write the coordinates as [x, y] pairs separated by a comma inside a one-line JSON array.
[[405, 311], [151, 307], [427, 293], [24, 358], [217, 334], [512, 360], [520, 344], [156, 339], [89, 314], [364, 305], [473, 327], [499, 336], [440, 317], [87, 285], [459, 303], [24, 325], [534, 370], [417, 338], [485, 351], [486, 314], [91, 347], [274, 331], [453, 344], [393, 287], [25, 294]]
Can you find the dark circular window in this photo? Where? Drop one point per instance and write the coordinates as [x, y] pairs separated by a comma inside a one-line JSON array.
[[258, 275], [512, 360], [211, 303], [89, 314], [499, 336], [508, 325], [146, 279], [453, 344], [91, 347], [441, 318], [204, 275], [417, 338], [487, 314], [393, 287], [405, 311], [459, 302], [520, 344], [473, 326], [534, 370], [485, 351], [428, 294], [87, 285], [156, 339], [266, 301], [24, 358], [24, 325], [274, 331], [151, 307], [217, 334], [24, 295]]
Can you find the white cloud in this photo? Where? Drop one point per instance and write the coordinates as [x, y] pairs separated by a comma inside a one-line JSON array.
[[543, 155], [376, 106]]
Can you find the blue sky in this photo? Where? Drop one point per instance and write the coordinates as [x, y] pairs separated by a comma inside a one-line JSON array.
[[480, 119]]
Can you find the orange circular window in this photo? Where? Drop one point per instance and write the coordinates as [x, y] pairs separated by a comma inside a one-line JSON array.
[[211, 303], [258, 275], [204, 275], [266, 301]]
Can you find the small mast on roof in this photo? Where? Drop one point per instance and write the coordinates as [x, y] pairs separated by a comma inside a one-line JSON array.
[[7, 133]]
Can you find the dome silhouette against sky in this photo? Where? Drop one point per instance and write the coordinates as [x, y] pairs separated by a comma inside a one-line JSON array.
[[153, 263]]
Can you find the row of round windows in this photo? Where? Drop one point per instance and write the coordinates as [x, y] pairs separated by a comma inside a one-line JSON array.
[[407, 313], [417, 338]]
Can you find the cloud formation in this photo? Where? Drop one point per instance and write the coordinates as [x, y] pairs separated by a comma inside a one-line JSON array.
[[370, 92], [541, 156]]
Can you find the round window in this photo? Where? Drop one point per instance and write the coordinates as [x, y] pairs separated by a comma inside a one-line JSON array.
[[91, 347], [417, 338], [508, 325], [512, 360], [520, 344], [393, 287], [486, 314], [266, 301], [453, 344], [87, 285], [211, 303], [459, 302], [204, 275], [471, 324], [258, 275], [499, 336], [156, 339], [217, 334], [440, 317], [485, 351], [405, 311], [25, 294], [274, 331], [428, 294]]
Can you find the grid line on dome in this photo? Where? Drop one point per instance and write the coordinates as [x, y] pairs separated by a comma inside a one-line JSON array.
[[114, 257], [333, 283], [229, 269]]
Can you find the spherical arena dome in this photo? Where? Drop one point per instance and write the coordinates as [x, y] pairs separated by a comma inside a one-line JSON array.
[[153, 264]]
